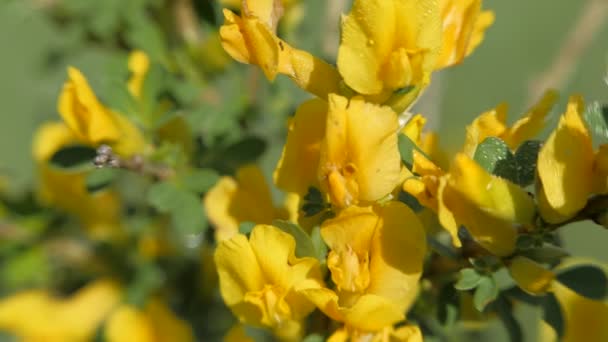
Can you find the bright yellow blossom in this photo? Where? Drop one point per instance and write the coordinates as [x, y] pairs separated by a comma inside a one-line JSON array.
[[375, 261], [565, 166], [99, 212], [359, 160], [388, 45], [406, 333], [463, 27], [247, 198], [91, 122], [36, 315], [155, 323], [249, 39], [261, 279]]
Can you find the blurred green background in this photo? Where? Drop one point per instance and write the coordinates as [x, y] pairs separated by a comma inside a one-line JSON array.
[[522, 43]]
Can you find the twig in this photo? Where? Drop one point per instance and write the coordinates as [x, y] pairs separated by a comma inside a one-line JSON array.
[[588, 24]]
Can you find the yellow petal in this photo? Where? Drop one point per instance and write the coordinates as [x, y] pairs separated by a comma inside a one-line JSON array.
[[297, 168], [238, 269], [565, 166], [139, 64], [532, 122], [167, 326], [360, 158], [530, 276], [489, 124], [494, 195], [233, 201], [369, 312], [91, 122], [249, 40], [387, 45], [463, 28], [397, 255], [413, 129], [129, 323], [267, 11], [237, 334], [494, 234], [445, 214]]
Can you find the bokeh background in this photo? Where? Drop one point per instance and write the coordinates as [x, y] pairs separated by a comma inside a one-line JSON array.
[[525, 41]]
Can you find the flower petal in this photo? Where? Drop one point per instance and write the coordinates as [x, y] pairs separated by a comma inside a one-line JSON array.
[[297, 168], [565, 166]]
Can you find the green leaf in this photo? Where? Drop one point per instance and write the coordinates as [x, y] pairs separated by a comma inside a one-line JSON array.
[[304, 245], [525, 241], [314, 338], [469, 279], [553, 314], [74, 158], [447, 304], [546, 254], [246, 227], [587, 280], [148, 277], [318, 244], [184, 207], [485, 293], [505, 312], [597, 120], [100, 179], [200, 180], [406, 149], [525, 160], [494, 156]]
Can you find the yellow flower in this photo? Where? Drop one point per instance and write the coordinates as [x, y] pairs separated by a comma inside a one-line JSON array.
[[237, 334], [155, 323], [139, 64], [261, 279], [493, 124], [91, 122], [99, 212], [359, 159], [251, 39], [375, 261], [388, 45], [247, 198], [348, 148], [488, 206], [406, 333], [531, 276], [464, 25], [35, 315], [565, 166]]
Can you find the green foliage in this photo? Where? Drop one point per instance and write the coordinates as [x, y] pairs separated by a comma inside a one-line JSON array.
[[304, 244], [496, 157], [74, 158], [553, 314], [469, 279], [587, 280], [183, 206], [485, 292], [596, 116], [101, 178]]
